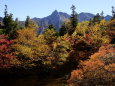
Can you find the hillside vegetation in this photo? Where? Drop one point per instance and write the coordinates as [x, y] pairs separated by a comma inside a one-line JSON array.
[[87, 49]]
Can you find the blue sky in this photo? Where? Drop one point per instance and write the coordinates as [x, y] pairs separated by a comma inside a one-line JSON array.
[[43, 8]]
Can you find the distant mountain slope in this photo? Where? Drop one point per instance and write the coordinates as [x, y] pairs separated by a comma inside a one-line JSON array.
[[57, 18], [0, 18], [85, 16], [108, 17]]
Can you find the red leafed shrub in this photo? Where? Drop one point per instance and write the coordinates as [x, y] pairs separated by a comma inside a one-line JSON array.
[[5, 52]]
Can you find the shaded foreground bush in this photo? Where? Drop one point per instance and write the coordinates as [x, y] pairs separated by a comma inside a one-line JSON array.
[[98, 70]]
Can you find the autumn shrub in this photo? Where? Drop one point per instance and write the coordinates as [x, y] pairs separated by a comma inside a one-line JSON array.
[[111, 31], [60, 50], [95, 34], [29, 47], [45, 49], [6, 53], [58, 46], [50, 35], [86, 40], [98, 70]]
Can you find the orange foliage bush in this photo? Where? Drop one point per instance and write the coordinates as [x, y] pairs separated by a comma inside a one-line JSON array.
[[111, 30], [98, 70]]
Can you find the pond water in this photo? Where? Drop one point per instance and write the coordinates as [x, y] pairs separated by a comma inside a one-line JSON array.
[[31, 81], [35, 76]]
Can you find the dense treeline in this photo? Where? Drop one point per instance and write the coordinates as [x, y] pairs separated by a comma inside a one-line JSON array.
[[22, 46]]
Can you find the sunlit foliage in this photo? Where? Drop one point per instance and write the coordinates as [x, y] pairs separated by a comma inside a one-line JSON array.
[[98, 70], [50, 35], [29, 46], [94, 34], [6, 55]]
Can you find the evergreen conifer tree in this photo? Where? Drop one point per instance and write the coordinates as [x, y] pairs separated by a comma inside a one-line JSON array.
[[66, 26], [9, 25], [97, 18], [113, 12], [102, 15], [27, 22], [73, 19]]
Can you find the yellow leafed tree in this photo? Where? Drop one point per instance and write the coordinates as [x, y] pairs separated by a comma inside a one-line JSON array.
[[30, 46]]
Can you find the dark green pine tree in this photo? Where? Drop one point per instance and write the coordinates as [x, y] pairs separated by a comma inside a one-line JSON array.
[[27, 22], [113, 12], [9, 24], [17, 24], [63, 30], [97, 18], [73, 19], [90, 22], [51, 26], [102, 15]]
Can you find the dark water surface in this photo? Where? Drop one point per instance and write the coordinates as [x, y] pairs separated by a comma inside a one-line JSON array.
[[27, 78], [32, 81]]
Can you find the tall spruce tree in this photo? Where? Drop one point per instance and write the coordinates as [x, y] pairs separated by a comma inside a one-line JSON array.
[[17, 23], [65, 28], [30, 23], [73, 19], [27, 22], [10, 25], [90, 22], [102, 15], [97, 18], [113, 12]]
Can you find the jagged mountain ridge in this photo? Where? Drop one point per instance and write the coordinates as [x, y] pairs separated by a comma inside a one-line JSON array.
[[57, 18]]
